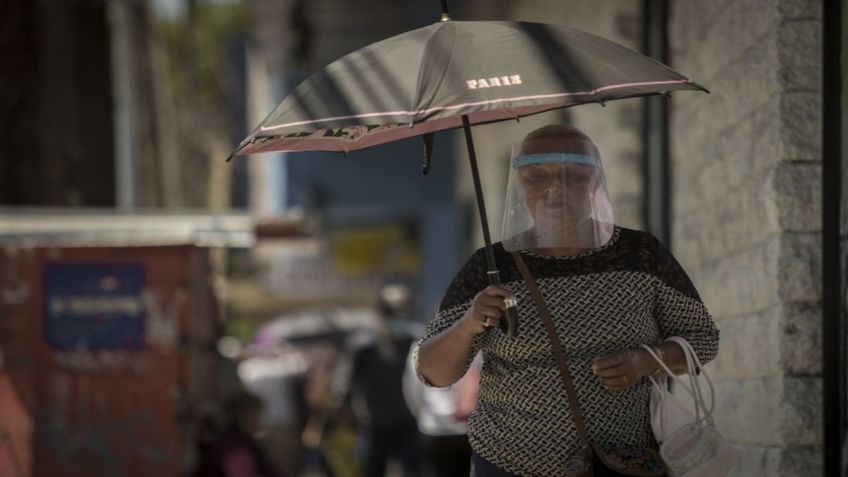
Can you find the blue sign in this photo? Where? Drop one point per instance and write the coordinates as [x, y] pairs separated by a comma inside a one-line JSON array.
[[94, 306]]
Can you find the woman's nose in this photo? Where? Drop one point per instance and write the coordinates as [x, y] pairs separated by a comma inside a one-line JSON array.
[[554, 187], [553, 193]]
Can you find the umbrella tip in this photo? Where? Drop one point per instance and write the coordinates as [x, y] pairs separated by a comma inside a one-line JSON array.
[[697, 86]]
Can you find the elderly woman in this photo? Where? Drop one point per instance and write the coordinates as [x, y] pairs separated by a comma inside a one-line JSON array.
[[608, 289]]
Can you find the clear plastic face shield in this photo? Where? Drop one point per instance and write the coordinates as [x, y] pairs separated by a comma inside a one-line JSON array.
[[556, 196]]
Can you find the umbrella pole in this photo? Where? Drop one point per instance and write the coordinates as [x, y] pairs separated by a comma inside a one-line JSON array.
[[445, 15], [493, 273]]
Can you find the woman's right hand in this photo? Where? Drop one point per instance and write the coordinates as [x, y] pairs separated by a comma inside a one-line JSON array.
[[486, 309]]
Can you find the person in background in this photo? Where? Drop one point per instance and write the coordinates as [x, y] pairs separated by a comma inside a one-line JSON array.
[[373, 381], [329, 437], [276, 376], [236, 453]]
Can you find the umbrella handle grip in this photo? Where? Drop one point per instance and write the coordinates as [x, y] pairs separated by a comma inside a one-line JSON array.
[[509, 325]]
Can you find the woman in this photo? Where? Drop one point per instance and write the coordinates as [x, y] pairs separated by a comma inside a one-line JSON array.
[[609, 290]]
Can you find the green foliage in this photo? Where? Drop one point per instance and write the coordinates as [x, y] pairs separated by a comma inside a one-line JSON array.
[[198, 85], [197, 53]]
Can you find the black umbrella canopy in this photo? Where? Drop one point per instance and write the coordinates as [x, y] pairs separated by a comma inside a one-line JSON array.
[[425, 80], [456, 74]]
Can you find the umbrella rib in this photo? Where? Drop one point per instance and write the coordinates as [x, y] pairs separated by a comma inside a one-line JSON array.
[[477, 103], [544, 42], [424, 56]]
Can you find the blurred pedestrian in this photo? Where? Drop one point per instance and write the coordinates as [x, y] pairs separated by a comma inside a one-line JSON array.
[[388, 430], [276, 375], [608, 289], [236, 452], [329, 437]]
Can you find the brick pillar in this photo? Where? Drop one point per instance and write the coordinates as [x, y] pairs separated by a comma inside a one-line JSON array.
[[746, 216]]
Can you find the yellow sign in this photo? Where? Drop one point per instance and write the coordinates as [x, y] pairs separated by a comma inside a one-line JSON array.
[[381, 249]]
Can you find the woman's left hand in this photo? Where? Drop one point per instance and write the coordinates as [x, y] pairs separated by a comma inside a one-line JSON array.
[[622, 369]]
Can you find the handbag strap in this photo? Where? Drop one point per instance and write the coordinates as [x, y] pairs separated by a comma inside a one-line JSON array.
[[696, 369], [694, 388], [559, 354]]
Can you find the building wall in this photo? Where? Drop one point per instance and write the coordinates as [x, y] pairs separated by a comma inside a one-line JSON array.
[[746, 216]]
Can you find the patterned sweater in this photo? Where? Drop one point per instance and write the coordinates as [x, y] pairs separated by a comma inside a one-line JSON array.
[[629, 292]]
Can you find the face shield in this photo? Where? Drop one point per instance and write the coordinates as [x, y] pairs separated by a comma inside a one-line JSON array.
[[556, 196]]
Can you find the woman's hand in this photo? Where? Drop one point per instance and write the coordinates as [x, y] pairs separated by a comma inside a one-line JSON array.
[[486, 309], [623, 369]]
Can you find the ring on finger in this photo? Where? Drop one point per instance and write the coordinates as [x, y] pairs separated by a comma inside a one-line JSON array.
[[486, 322]]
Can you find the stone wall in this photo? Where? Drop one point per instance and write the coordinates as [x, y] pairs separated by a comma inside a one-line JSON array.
[[746, 216]]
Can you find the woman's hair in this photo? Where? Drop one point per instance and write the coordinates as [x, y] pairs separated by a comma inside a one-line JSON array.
[[556, 131], [557, 138]]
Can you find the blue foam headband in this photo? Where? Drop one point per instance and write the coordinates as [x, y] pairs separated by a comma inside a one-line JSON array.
[[554, 158]]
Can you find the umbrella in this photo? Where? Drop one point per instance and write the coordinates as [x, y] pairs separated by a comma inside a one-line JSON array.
[[456, 74]]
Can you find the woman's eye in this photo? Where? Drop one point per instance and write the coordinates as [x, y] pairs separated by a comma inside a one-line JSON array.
[[534, 177]]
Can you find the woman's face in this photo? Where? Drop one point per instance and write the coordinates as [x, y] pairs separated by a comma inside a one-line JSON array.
[[559, 191]]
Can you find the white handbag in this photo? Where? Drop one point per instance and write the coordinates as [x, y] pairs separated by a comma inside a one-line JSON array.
[[690, 445]]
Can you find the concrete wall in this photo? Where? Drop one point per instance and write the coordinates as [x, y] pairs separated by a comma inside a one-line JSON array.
[[746, 216], [745, 199]]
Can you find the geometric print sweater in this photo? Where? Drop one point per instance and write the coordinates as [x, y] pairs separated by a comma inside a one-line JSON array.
[[629, 292]]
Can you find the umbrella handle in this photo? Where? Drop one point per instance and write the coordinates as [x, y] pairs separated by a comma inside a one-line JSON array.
[[509, 326]]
